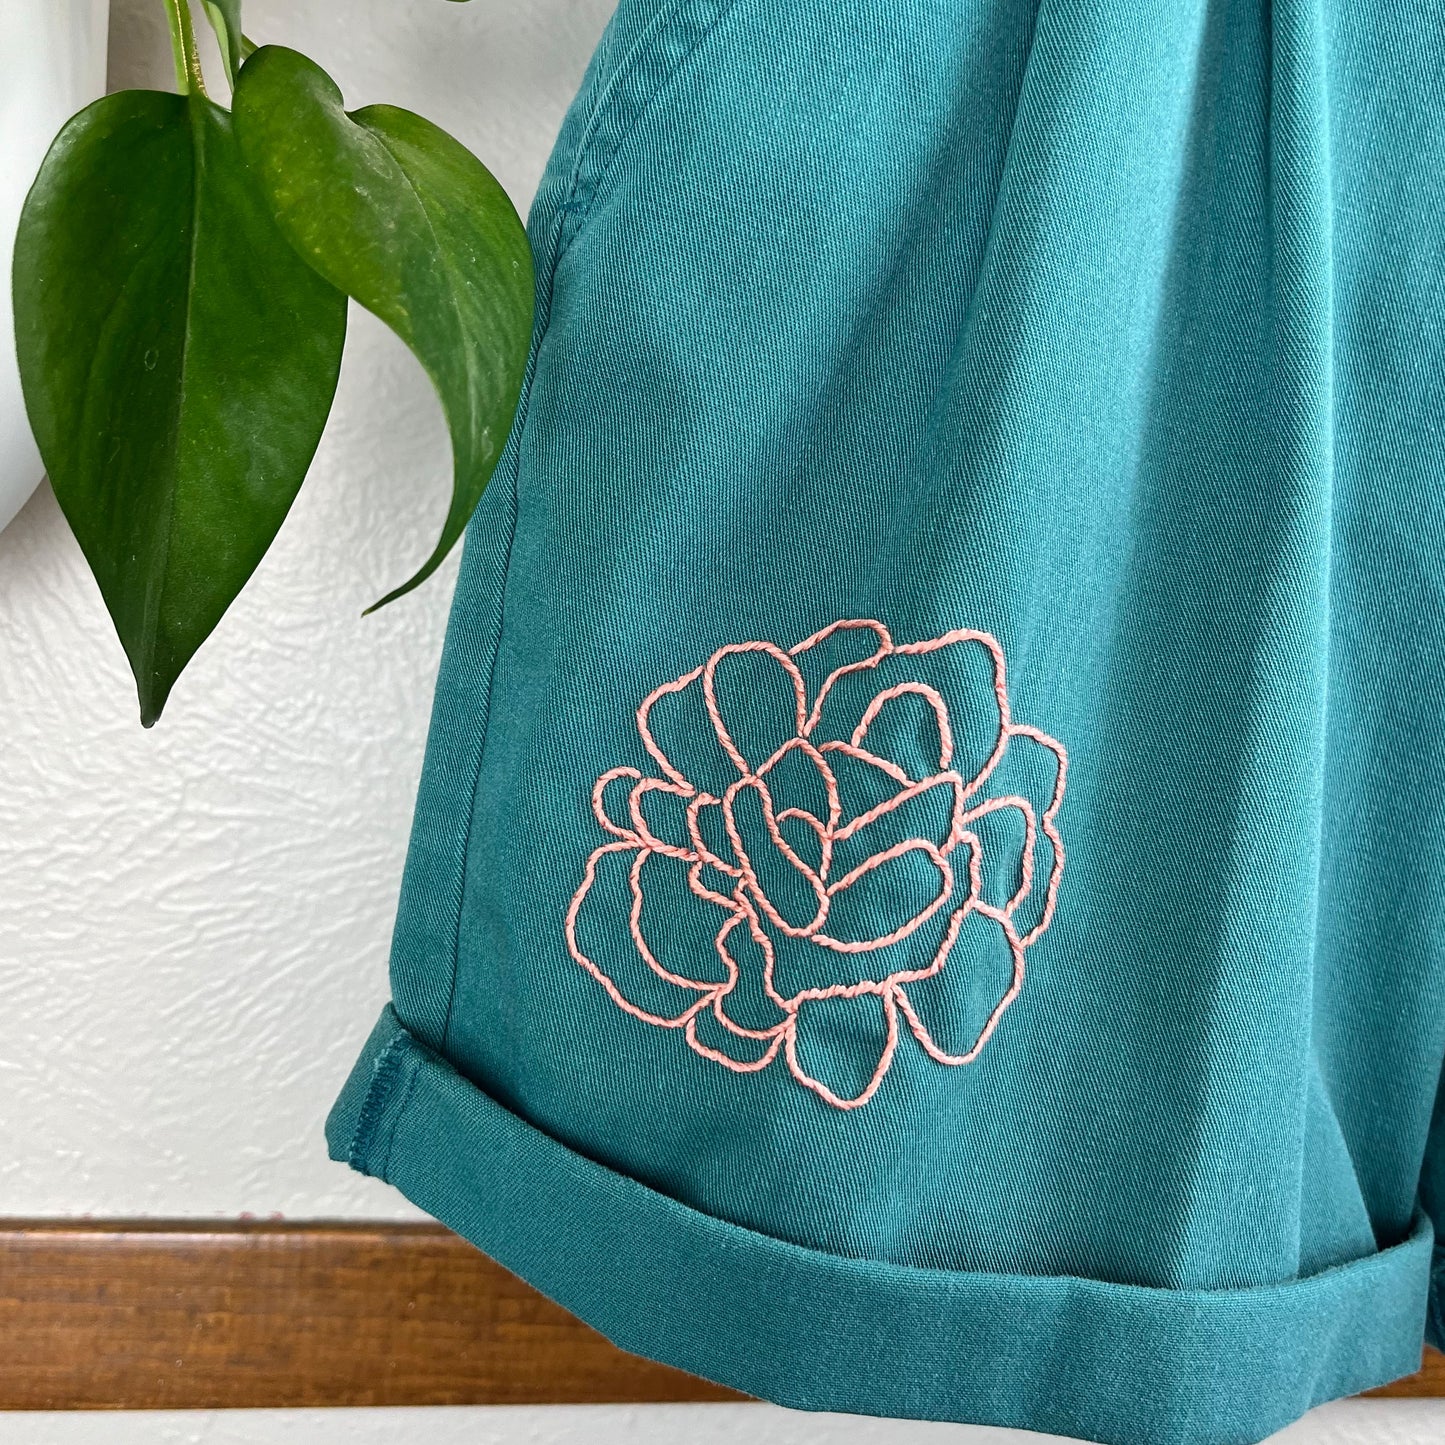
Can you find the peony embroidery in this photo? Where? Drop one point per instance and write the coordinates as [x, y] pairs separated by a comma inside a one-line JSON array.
[[823, 828]]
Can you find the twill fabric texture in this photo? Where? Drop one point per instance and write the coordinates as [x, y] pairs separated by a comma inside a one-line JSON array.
[[925, 890]]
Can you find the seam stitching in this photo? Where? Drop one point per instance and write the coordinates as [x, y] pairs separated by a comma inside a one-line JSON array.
[[377, 1093], [558, 242], [519, 426], [400, 1114]]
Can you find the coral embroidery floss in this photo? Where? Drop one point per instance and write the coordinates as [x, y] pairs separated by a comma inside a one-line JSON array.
[[756, 918]]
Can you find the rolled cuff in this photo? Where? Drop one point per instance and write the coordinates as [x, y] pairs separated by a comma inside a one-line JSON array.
[[1120, 1364]]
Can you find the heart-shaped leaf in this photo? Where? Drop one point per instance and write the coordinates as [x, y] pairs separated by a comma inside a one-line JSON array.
[[225, 18], [178, 361], [407, 221]]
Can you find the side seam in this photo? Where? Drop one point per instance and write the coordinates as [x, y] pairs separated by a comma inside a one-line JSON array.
[[642, 73]]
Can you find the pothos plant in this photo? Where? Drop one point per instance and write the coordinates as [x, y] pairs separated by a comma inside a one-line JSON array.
[[181, 276]]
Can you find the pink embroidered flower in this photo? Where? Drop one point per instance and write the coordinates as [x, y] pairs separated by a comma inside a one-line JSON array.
[[816, 837]]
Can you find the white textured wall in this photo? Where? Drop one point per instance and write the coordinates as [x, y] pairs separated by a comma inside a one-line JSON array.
[[194, 920]]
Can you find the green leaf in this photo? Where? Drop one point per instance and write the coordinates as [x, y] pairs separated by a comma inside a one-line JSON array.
[[178, 362], [408, 222], [225, 18]]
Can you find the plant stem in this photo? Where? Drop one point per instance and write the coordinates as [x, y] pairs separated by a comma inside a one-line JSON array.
[[183, 47]]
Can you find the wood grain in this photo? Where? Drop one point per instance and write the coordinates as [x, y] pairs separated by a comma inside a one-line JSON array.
[[195, 1315], [145, 1315]]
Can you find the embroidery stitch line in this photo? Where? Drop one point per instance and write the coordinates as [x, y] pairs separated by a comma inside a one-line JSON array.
[[744, 900]]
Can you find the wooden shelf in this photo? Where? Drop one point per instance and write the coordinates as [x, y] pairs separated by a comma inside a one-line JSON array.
[[193, 1315], [190, 1314]]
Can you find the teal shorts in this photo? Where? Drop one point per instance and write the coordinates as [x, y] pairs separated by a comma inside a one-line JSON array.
[[925, 896]]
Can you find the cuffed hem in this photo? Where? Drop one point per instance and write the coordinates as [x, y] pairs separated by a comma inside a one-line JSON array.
[[1435, 1314], [1119, 1364]]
